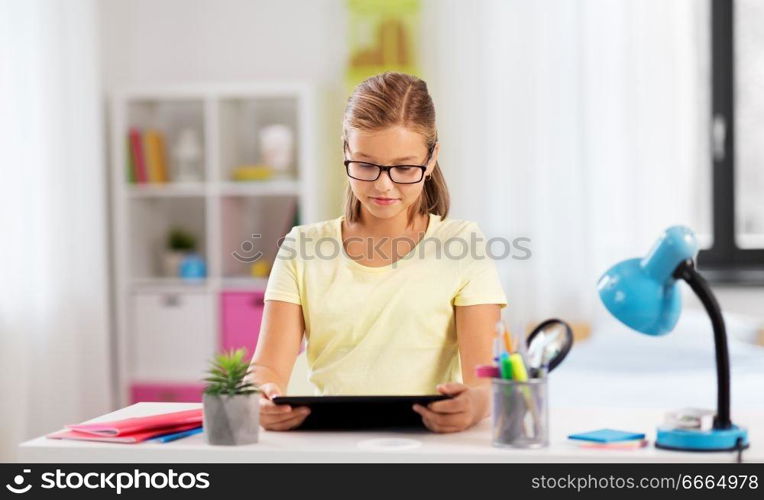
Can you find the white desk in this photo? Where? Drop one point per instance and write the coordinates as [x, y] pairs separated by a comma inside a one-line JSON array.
[[473, 445]]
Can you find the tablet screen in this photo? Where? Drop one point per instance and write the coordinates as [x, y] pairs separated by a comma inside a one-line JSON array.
[[360, 412]]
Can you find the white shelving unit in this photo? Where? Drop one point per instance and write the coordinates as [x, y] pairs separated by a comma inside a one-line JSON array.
[[168, 328]]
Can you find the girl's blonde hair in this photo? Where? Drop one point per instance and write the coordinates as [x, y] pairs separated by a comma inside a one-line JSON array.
[[390, 99]]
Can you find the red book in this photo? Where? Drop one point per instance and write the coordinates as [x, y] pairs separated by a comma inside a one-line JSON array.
[[135, 437], [140, 424], [136, 144]]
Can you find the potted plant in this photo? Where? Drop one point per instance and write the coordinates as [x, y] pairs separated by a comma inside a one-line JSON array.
[[231, 402], [180, 244]]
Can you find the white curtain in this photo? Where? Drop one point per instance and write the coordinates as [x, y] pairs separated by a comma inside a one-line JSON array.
[[54, 344], [581, 125]]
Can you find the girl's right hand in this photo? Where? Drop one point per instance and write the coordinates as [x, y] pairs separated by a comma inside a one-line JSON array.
[[275, 417]]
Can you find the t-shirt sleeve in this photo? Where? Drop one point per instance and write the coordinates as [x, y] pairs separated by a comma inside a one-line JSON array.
[[283, 283], [480, 282]]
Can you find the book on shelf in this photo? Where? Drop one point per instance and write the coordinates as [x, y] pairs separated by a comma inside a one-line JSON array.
[[136, 149], [130, 161], [147, 157], [156, 161]]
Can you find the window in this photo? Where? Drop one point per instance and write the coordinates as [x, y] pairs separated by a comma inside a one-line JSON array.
[[737, 35]]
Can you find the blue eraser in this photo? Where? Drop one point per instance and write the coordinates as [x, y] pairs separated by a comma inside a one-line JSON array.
[[607, 436]]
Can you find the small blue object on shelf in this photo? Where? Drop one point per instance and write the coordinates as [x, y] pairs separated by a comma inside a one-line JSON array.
[[607, 436], [192, 267], [644, 295]]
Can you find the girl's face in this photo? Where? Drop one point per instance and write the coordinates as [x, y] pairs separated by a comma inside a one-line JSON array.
[[396, 145]]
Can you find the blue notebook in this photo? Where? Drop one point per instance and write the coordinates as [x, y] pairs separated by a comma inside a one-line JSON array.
[[607, 436]]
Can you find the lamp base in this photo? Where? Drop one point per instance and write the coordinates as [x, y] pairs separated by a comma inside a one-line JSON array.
[[693, 440]]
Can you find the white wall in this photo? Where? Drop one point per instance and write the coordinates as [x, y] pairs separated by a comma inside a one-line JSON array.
[[203, 40]]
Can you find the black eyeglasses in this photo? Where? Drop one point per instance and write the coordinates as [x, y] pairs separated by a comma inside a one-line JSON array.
[[400, 174]]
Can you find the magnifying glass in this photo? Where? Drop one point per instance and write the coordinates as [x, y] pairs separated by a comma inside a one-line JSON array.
[[549, 343]]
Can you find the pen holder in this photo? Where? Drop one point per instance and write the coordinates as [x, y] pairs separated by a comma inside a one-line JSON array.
[[520, 413]]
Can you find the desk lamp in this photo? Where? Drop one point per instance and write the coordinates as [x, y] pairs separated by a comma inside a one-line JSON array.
[[643, 294]]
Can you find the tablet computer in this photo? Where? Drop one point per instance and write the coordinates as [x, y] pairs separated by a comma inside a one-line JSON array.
[[360, 412]]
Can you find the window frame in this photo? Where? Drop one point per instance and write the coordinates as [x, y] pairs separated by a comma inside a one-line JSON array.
[[725, 262]]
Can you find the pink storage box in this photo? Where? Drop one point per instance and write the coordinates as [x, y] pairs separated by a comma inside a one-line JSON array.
[[164, 392], [241, 314]]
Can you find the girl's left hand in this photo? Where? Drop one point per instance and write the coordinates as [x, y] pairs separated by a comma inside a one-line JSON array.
[[466, 407]]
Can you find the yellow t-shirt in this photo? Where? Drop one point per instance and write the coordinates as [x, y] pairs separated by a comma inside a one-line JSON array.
[[384, 330]]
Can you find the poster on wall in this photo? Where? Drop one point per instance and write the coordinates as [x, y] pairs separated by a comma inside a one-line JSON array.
[[382, 37]]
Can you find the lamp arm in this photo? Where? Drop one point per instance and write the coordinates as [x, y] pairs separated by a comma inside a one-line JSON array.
[[686, 271]]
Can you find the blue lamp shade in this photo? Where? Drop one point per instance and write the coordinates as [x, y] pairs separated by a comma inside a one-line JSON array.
[[643, 293]]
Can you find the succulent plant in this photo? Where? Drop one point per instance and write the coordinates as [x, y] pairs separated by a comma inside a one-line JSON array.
[[228, 374], [181, 240]]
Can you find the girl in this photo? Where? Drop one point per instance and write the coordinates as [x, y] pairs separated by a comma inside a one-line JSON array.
[[393, 298]]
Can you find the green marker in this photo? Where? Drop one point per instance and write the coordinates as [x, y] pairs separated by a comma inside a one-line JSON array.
[[505, 366]]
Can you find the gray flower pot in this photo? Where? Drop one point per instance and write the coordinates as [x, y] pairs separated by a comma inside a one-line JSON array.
[[232, 420]]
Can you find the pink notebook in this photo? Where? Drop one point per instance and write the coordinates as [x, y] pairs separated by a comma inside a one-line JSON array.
[[135, 437], [140, 424]]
